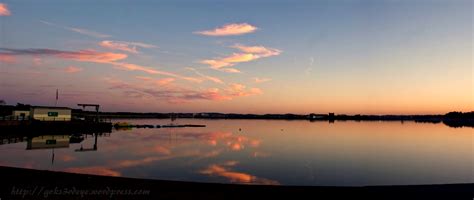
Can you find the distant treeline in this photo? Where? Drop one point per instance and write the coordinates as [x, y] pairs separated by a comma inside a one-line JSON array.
[[453, 119], [451, 115]]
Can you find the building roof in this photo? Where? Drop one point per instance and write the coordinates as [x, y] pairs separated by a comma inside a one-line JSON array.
[[51, 107]]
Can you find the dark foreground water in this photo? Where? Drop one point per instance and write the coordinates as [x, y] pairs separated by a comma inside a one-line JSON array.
[[261, 152]]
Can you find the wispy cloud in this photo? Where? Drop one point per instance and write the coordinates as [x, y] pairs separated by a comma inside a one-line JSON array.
[[73, 69], [92, 56], [223, 64], [261, 51], [158, 82], [78, 30], [175, 94], [81, 55], [88, 32], [239, 90], [134, 67], [210, 78], [261, 80], [216, 94], [247, 54], [4, 11], [229, 29], [130, 47]]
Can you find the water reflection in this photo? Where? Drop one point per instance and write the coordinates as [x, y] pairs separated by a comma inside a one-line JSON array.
[[262, 152], [225, 170], [94, 148], [134, 149], [48, 142]]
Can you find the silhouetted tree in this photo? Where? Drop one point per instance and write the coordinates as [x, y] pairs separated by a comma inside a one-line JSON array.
[[21, 106]]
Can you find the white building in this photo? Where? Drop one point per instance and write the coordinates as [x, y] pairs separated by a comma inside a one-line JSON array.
[[21, 114], [44, 113]]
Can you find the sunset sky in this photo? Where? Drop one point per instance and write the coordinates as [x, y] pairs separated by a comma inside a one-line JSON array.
[[368, 57]]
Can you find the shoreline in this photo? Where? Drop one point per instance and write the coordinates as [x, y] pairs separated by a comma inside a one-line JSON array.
[[452, 119], [20, 181]]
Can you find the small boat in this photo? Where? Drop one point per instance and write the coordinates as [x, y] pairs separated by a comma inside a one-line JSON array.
[[122, 124]]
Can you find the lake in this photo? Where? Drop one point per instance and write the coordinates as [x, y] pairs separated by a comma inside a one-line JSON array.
[[277, 152]]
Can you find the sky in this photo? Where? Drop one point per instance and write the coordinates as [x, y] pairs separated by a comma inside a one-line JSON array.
[[342, 56]]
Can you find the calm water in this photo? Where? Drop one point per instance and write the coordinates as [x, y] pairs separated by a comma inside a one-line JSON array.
[[263, 152]]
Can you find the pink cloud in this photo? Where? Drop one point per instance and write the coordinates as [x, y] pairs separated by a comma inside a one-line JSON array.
[[134, 67], [176, 94], [239, 90], [149, 70], [229, 29], [73, 69], [144, 78], [159, 82], [130, 47], [216, 94], [216, 64], [247, 54], [222, 64], [92, 56], [213, 94], [229, 70], [118, 46], [4, 11], [260, 51], [81, 55], [165, 81], [239, 57]]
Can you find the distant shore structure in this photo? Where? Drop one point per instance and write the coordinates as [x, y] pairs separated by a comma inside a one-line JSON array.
[[313, 116], [44, 113]]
